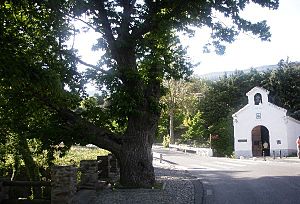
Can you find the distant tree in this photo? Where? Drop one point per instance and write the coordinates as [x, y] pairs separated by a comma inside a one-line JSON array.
[[284, 86], [220, 100], [178, 100], [221, 133], [196, 130]]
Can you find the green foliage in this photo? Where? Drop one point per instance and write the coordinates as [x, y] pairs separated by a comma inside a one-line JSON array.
[[222, 137], [180, 103], [284, 87], [196, 130], [34, 74], [72, 156], [166, 141], [163, 126], [94, 110], [220, 100], [227, 95]]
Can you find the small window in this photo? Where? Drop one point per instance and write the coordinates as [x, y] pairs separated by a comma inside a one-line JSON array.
[[278, 141], [242, 140], [258, 115], [257, 99]]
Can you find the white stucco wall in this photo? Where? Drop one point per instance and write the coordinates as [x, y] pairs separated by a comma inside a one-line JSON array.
[[293, 132], [283, 130], [277, 131]]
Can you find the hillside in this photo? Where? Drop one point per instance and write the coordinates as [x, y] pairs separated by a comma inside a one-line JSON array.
[[216, 75]]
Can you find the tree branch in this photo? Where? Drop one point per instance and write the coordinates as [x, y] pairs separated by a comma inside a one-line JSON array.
[[83, 62], [82, 128], [145, 27], [107, 30], [98, 136], [90, 65], [86, 23], [128, 6], [152, 21]]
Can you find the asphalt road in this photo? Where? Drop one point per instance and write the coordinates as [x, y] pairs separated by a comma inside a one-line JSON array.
[[241, 181]]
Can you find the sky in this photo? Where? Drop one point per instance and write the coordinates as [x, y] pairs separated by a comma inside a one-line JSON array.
[[246, 52]]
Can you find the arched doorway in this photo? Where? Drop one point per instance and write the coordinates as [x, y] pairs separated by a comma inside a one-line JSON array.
[[260, 141]]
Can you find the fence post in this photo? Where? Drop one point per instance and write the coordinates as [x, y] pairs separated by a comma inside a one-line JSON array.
[[103, 166], [280, 155], [63, 184], [3, 192], [113, 164], [89, 176]]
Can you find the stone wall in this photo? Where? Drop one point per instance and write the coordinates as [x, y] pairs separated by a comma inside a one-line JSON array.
[[3, 192], [114, 166], [63, 182], [89, 174], [103, 166], [64, 178]]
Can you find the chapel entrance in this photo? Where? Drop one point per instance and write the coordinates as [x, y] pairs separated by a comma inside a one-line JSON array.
[[260, 141]]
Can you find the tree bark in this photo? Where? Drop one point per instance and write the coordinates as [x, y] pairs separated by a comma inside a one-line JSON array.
[[136, 169], [172, 137], [136, 154], [31, 166]]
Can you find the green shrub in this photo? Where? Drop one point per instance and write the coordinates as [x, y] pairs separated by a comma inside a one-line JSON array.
[[166, 141]]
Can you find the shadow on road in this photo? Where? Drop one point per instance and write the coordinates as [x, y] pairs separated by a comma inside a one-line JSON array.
[[167, 161], [232, 188]]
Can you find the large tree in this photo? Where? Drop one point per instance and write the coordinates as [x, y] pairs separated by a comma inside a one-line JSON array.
[[141, 49]]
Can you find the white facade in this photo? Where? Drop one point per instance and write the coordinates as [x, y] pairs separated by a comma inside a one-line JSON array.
[[262, 122]]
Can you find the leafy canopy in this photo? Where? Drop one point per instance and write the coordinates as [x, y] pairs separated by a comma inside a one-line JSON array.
[[39, 81]]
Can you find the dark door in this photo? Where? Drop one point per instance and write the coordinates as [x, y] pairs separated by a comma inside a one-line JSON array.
[[265, 139], [256, 142], [260, 136]]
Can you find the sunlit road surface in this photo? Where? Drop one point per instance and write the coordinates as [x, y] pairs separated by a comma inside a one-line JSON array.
[[241, 181]]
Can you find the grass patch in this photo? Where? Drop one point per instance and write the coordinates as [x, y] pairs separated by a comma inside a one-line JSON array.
[[78, 153]]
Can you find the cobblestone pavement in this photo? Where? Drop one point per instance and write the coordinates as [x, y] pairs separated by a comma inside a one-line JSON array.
[[178, 189]]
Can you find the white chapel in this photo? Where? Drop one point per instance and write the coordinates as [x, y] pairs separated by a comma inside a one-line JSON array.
[[261, 127]]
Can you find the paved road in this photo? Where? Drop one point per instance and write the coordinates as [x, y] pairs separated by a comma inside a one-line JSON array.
[[245, 181]]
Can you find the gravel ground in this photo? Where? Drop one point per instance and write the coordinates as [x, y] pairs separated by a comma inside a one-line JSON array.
[[178, 190]]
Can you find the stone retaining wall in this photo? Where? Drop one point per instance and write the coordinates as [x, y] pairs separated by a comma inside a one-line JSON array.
[[89, 174], [63, 182], [103, 167]]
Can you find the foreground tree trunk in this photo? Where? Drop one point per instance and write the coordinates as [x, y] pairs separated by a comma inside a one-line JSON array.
[[136, 153], [136, 165], [136, 169]]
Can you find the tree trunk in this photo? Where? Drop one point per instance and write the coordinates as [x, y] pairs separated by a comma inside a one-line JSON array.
[[31, 166], [172, 137], [136, 169]]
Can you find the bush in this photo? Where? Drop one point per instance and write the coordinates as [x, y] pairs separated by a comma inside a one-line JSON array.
[[166, 141]]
